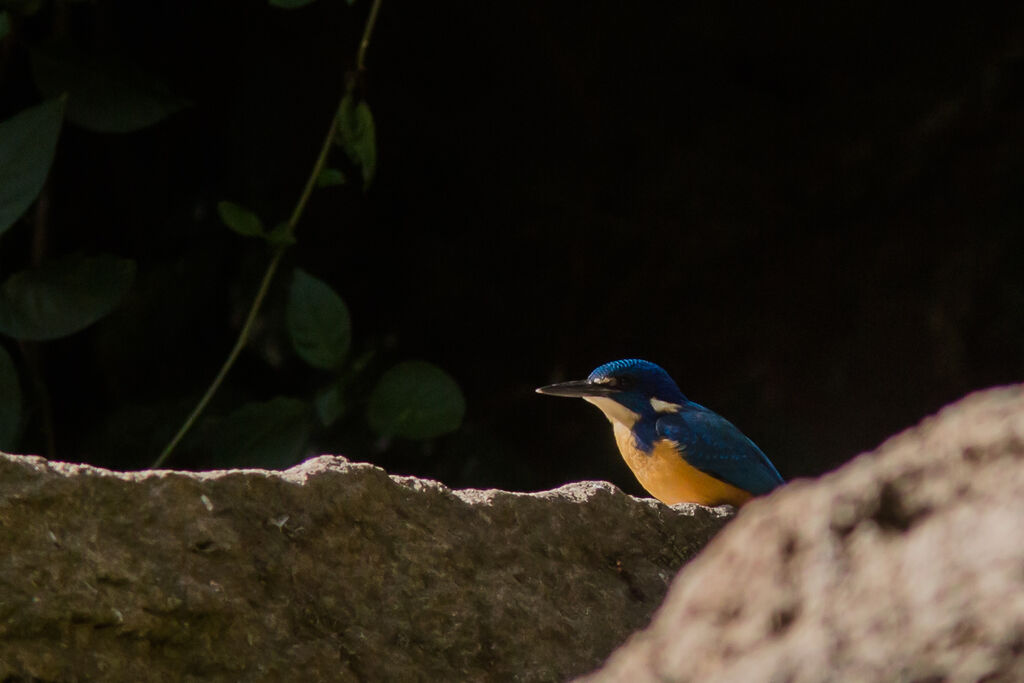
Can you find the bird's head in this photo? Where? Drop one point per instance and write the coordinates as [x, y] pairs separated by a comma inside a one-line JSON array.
[[625, 390]]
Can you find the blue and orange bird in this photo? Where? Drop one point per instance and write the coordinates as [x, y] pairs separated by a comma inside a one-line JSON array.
[[680, 451]]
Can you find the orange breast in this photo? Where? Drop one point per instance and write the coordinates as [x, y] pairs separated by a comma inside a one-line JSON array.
[[670, 479]]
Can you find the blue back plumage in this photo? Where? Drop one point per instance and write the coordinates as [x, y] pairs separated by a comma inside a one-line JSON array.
[[706, 440], [714, 445]]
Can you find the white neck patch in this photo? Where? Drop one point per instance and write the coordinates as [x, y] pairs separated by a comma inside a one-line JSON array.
[[614, 411], [664, 406]]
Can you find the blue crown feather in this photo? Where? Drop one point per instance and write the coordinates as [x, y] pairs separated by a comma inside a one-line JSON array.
[[642, 375]]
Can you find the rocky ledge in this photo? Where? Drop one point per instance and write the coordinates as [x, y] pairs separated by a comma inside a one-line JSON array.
[[330, 571]]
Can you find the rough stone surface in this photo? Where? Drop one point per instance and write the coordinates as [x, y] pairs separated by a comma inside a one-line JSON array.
[[329, 571], [906, 565]]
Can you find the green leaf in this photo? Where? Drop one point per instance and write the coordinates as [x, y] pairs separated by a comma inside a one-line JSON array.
[[330, 404], [106, 94], [240, 219], [318, 322], [290, 4], [5, 24], [10, 402], [133, 432], [24, 8], [416, 400], [272, 434], [357, 136], [63, 296], [281, 236], [330, 177], [27, 143]]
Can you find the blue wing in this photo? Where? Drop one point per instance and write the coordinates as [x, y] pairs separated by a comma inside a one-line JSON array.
[[714, 446]]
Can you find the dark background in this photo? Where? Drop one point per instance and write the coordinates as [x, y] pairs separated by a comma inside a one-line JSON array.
[[811, 218]]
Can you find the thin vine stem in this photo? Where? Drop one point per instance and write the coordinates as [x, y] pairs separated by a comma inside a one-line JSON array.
[[364, 42], [275, 261], [243, 339]]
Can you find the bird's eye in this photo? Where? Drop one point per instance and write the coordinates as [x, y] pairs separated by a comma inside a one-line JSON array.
[[624, 382]]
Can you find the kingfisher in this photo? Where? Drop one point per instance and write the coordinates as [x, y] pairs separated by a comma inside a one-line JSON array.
[[680, 451]]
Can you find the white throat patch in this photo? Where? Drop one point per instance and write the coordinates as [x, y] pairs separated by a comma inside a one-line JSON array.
[[664, 406], [614, 411]]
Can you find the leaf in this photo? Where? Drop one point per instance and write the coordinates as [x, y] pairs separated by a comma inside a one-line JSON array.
[[318, 322], [330, 404], [240, 219], [329, 177], [281, 236], [357, 136], [271, 434], [5, 24], [24, 8], [290, 4], [10, 402], [416, 400], [63, 296], [106, 94], [27, 143], [133, 433]]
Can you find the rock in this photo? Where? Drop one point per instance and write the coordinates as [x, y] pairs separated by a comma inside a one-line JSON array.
[[907, 564], [328, 571]]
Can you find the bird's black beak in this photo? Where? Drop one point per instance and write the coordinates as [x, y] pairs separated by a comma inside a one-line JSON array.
[[578, 389]]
